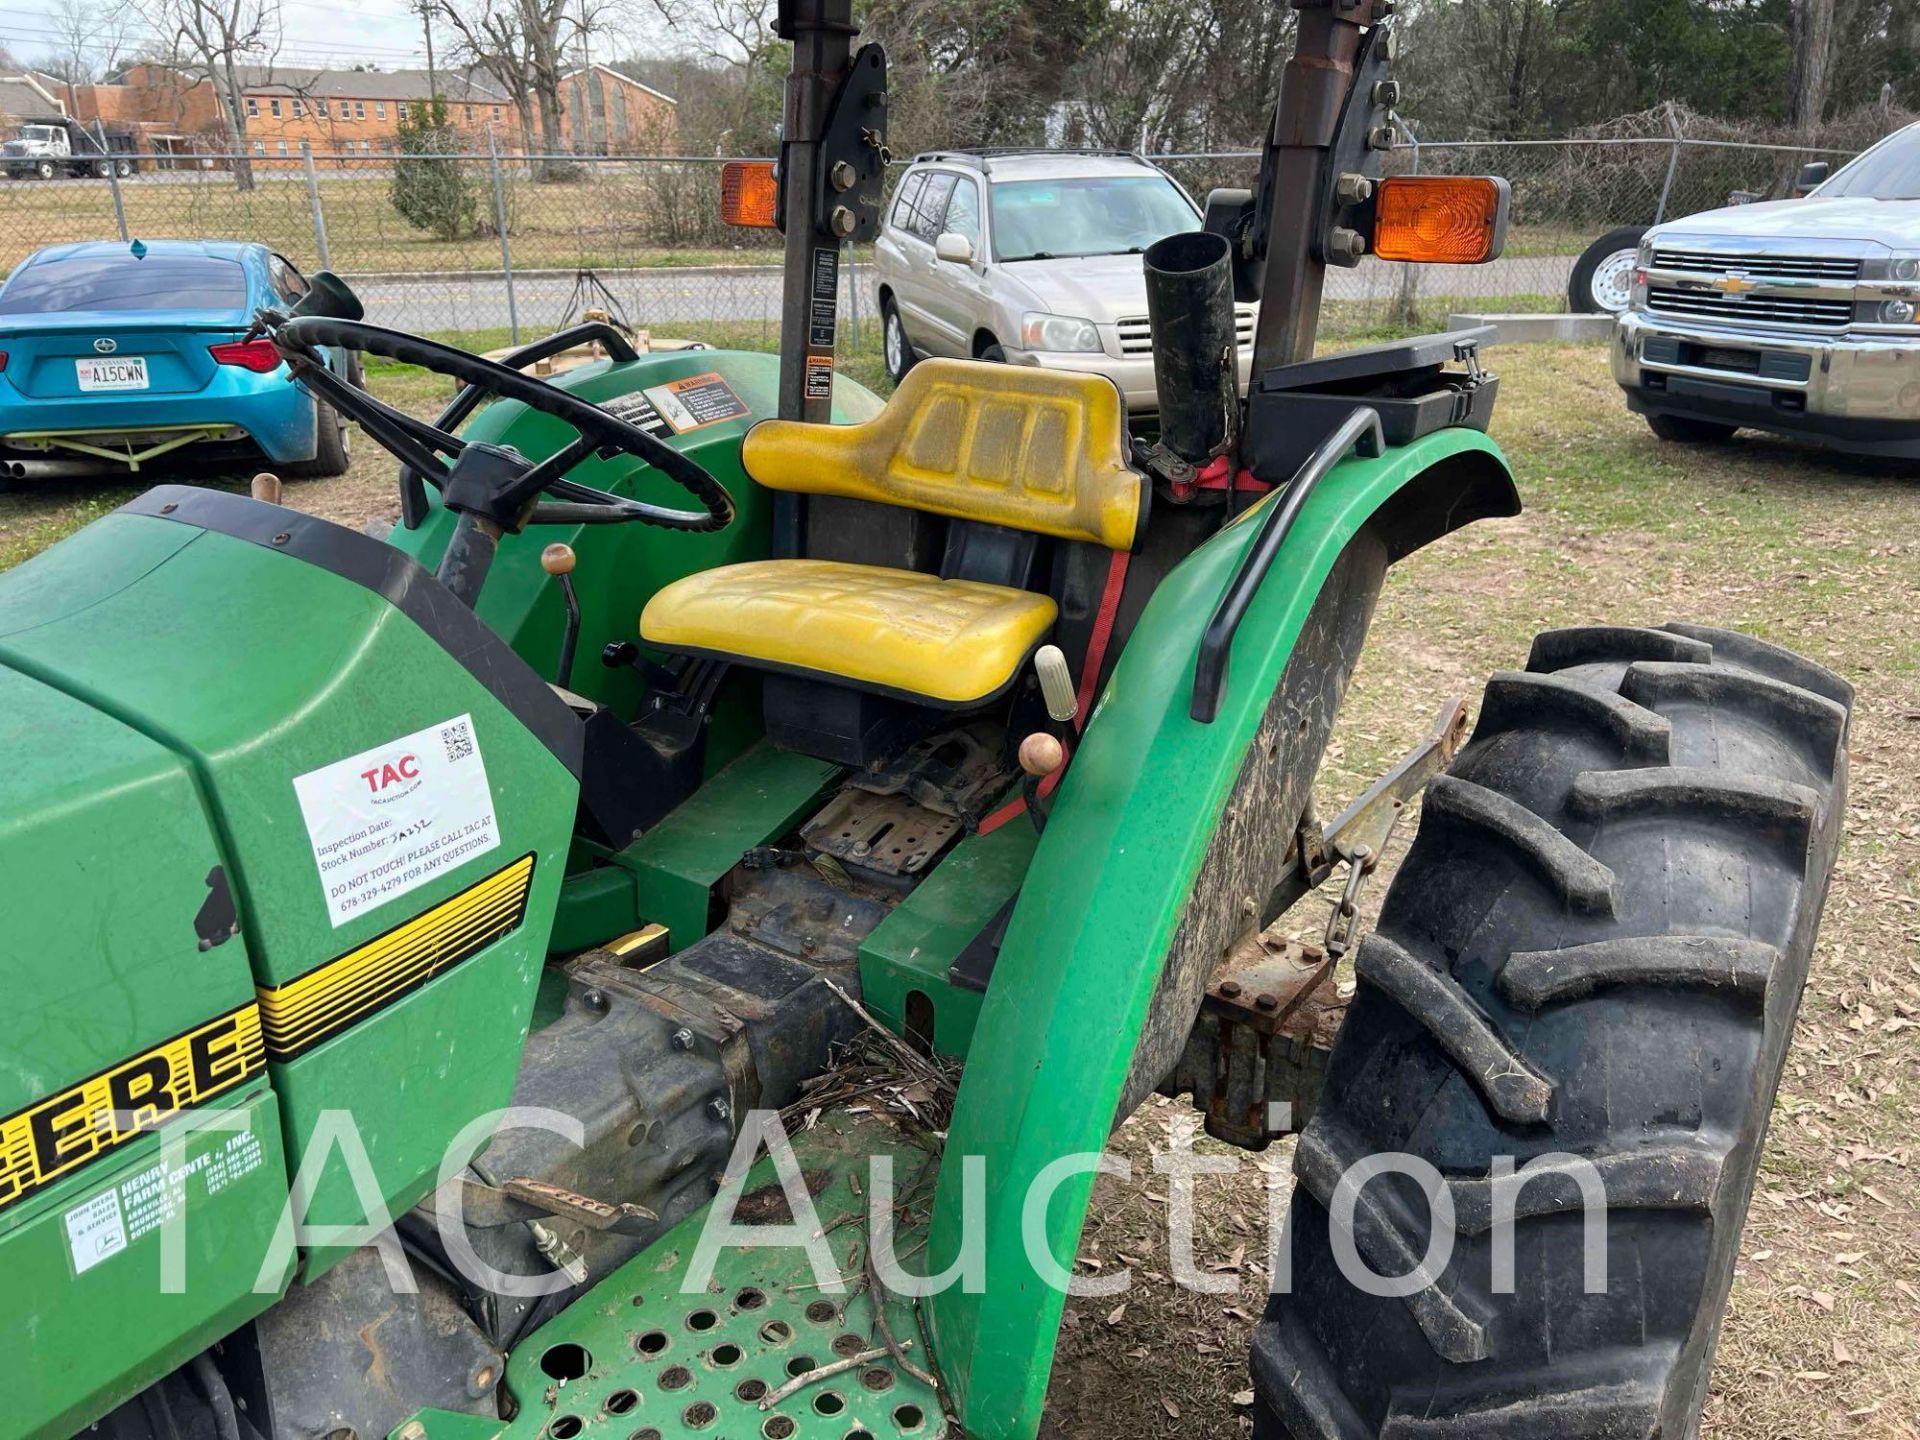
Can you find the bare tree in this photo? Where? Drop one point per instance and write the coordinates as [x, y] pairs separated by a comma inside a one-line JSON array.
[[491, 40], [732, 32], [214, 41], [89, 40], [523, 44]]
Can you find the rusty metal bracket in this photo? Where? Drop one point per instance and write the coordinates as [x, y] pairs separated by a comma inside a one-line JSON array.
[[1358, 835], [525, 1201], [1262, 1039]]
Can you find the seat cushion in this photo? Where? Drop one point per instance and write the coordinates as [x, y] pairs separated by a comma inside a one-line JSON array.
[[948, 642], [1046, 451]]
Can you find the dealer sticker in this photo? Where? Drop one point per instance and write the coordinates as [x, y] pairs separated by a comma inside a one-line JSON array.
[[388, 820], [95, 1231]]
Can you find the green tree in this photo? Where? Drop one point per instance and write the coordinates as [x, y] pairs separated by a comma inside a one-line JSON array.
[[431, 188]]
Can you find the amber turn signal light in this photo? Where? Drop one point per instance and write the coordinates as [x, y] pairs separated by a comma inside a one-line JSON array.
[[749, 193], [1440, 219]]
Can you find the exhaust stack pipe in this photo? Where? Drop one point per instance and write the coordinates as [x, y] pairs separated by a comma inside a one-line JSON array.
[[1196, 361]]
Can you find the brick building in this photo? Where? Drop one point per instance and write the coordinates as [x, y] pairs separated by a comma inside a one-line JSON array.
[[29, 97], [358, 112]]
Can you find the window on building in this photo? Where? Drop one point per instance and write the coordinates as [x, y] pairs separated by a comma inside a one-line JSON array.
[[320, 109], [469, 113], [379, 109], [274, 106], [283, 147], [299, 109], [253, 107], [403, 109], [496, 112], [359, 109], [259, 147]]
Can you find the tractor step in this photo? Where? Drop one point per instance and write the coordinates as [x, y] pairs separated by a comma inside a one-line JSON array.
[[640, 1358]]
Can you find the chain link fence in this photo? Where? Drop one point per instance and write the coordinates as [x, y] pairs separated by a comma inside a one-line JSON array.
[[517, 246]]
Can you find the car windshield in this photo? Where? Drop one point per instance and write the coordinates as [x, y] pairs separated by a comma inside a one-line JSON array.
[[1889, 171], [124, 282], [1111, 215]]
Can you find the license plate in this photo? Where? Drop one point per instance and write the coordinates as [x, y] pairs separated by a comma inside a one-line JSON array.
[[120, 373]]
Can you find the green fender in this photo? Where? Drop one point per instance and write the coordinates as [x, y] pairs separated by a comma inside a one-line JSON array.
[[1112, 883]]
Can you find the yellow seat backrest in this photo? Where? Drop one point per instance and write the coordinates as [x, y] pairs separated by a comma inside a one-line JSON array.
[[1039, 450]]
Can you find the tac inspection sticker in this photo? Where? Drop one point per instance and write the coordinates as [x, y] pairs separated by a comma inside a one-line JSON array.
[[696, 401], [388, 820], [95, 1231]]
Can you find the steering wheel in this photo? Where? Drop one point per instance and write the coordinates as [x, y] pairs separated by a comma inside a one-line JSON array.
[[492, 483]]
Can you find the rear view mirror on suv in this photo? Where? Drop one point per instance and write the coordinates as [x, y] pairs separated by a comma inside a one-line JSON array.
[[1812, 175], [956, 248]]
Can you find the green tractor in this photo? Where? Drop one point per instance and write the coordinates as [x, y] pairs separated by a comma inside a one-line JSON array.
[[417, 941]]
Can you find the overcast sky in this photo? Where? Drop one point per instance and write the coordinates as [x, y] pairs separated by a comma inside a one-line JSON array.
[[385, 34]]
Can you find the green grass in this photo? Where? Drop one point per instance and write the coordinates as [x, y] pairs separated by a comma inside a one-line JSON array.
[[615, 219]]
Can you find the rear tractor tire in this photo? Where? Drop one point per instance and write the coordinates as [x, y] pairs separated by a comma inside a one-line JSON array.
[[1590, 962]]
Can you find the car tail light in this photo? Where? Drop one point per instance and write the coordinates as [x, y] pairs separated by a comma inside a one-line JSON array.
[[258, 356], [3, 360]]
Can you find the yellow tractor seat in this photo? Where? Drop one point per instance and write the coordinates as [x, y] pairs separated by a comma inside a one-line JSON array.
[[1041, 451], [950, 643]]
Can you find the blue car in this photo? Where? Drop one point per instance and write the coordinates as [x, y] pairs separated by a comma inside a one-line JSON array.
[[126, 358]]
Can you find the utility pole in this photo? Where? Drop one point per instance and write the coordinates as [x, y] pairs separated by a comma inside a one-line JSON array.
[[425, 8], [593, 97]]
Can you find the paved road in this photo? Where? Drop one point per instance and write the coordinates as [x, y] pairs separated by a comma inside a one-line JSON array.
[[660, 299]]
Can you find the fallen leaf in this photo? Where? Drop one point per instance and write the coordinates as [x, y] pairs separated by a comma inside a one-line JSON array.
[[1819, 1297], [1173, 1410], [1119, 1312]]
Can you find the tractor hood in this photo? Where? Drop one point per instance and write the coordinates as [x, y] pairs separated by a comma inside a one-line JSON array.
[[281, 832]]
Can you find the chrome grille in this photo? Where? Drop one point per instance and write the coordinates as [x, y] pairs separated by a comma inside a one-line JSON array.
[[1136, 333], [1760, 267], [1752, 309]]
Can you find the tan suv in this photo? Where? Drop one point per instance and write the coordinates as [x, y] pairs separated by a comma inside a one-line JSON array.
[[1031, 257]]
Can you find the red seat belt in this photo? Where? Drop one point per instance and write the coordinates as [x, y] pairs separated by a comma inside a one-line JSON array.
[[1097, 642]]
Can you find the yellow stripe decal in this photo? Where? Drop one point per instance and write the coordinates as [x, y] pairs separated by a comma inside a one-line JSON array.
[[326, 1000], [54, 1137]]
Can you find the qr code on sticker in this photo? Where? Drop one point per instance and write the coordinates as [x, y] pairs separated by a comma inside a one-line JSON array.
[[459, 740]]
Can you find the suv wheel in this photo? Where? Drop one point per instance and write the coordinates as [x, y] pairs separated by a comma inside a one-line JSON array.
[[893, 339]]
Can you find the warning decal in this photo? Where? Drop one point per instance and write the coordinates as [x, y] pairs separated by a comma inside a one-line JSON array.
[[696, 401], [819, 379], [823, 299], [638, 411], [388, 820]]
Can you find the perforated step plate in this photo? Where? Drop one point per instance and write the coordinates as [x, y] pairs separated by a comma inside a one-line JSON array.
[[638, 1359]]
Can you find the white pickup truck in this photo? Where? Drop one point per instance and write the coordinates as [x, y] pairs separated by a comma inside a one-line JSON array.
[[1796, 316]]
